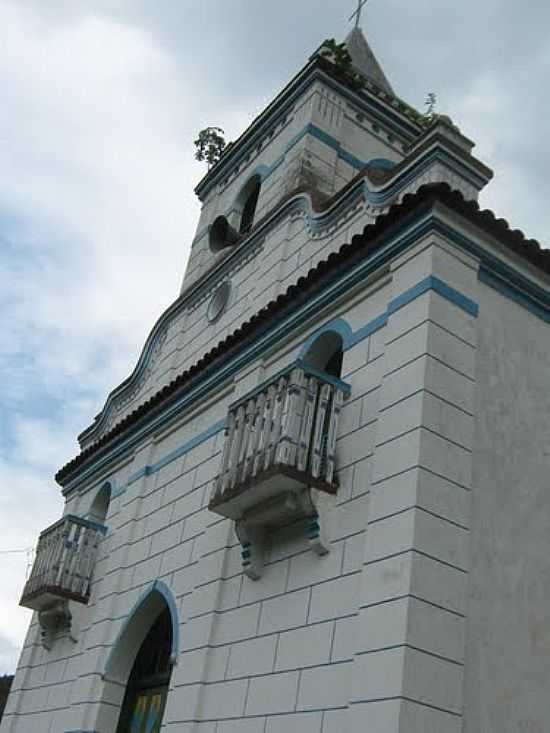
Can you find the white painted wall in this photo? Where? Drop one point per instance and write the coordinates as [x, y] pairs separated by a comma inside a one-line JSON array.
[[508, 665]]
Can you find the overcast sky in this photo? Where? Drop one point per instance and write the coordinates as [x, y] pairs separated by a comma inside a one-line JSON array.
[[100, 103]]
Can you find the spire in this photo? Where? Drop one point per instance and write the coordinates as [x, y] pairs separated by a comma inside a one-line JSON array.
[[364, 60]]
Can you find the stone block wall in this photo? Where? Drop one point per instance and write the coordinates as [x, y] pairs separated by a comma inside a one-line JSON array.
[[507, 661], [437, 538], [292, 648]]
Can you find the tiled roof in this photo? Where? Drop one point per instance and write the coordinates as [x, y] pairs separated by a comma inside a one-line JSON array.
[[361, 246]]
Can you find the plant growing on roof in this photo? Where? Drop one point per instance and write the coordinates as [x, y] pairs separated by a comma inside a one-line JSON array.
[[431, 101], [210, 145], [338, 54]]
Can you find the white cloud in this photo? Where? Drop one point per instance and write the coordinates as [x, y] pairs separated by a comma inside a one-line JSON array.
[[97, 213], [27, 504], [95, 208], [94, 166]]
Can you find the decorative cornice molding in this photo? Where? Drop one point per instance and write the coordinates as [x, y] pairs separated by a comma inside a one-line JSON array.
[[128, 390], [225, 271], [125, 398], [350, 338], [437, 162], [389, 111]]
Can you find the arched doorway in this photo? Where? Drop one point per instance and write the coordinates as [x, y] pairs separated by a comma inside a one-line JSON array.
[[147, 688], [137, 670]]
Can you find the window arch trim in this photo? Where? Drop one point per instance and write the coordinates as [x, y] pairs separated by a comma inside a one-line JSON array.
[[157, 587], [338, 325]]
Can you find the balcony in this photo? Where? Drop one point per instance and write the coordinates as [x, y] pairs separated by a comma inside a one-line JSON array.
[[64, 562], [279, 453]]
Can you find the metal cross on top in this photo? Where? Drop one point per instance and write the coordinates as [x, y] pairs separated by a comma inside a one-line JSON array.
[[357, 14]]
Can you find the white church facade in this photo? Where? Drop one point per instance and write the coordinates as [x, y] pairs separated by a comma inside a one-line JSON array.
[[319, 503]]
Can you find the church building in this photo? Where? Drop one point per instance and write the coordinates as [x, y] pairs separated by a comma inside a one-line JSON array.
[[319, 501]]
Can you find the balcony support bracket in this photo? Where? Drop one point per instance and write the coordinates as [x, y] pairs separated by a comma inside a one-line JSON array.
[[55, 619], [252, 541], [308, 505], [316, 511]]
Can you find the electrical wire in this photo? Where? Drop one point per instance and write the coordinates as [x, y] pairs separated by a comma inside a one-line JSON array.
[[14, 552]]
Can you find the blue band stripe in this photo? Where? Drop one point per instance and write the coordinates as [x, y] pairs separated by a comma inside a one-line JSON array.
[[349, 338]]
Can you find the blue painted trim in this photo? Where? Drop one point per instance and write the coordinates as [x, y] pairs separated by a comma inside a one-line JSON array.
[[446, 291], [417, 168], [216, 376], [500, 276], [179, 452], [492, 271], [162, 589], [382, 163], [110, 483], [117, 491], [282, 106], [339, 325], [97, 526], [83, 521], [508, 290], [266, 171], [349, 338], [338, 383], [332, 143], [315, 222], [369, 328], [299, 362]]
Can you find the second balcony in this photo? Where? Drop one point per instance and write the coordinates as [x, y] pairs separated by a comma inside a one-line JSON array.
[[280, 439]]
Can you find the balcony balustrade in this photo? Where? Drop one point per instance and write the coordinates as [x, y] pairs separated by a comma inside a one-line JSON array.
[[63, 565], [280, 443]]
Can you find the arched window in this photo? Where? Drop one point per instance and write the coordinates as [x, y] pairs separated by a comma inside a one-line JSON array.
[[147, 688], [100, 505], [248, 200], [326, 353]]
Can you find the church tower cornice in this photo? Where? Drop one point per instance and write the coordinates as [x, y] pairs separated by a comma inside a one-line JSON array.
[[390, 111]]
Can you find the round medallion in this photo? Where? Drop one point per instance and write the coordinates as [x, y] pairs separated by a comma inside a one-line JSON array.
[[218, 302]]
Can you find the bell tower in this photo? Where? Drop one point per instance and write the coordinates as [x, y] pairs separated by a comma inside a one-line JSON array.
[[337, 117]]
